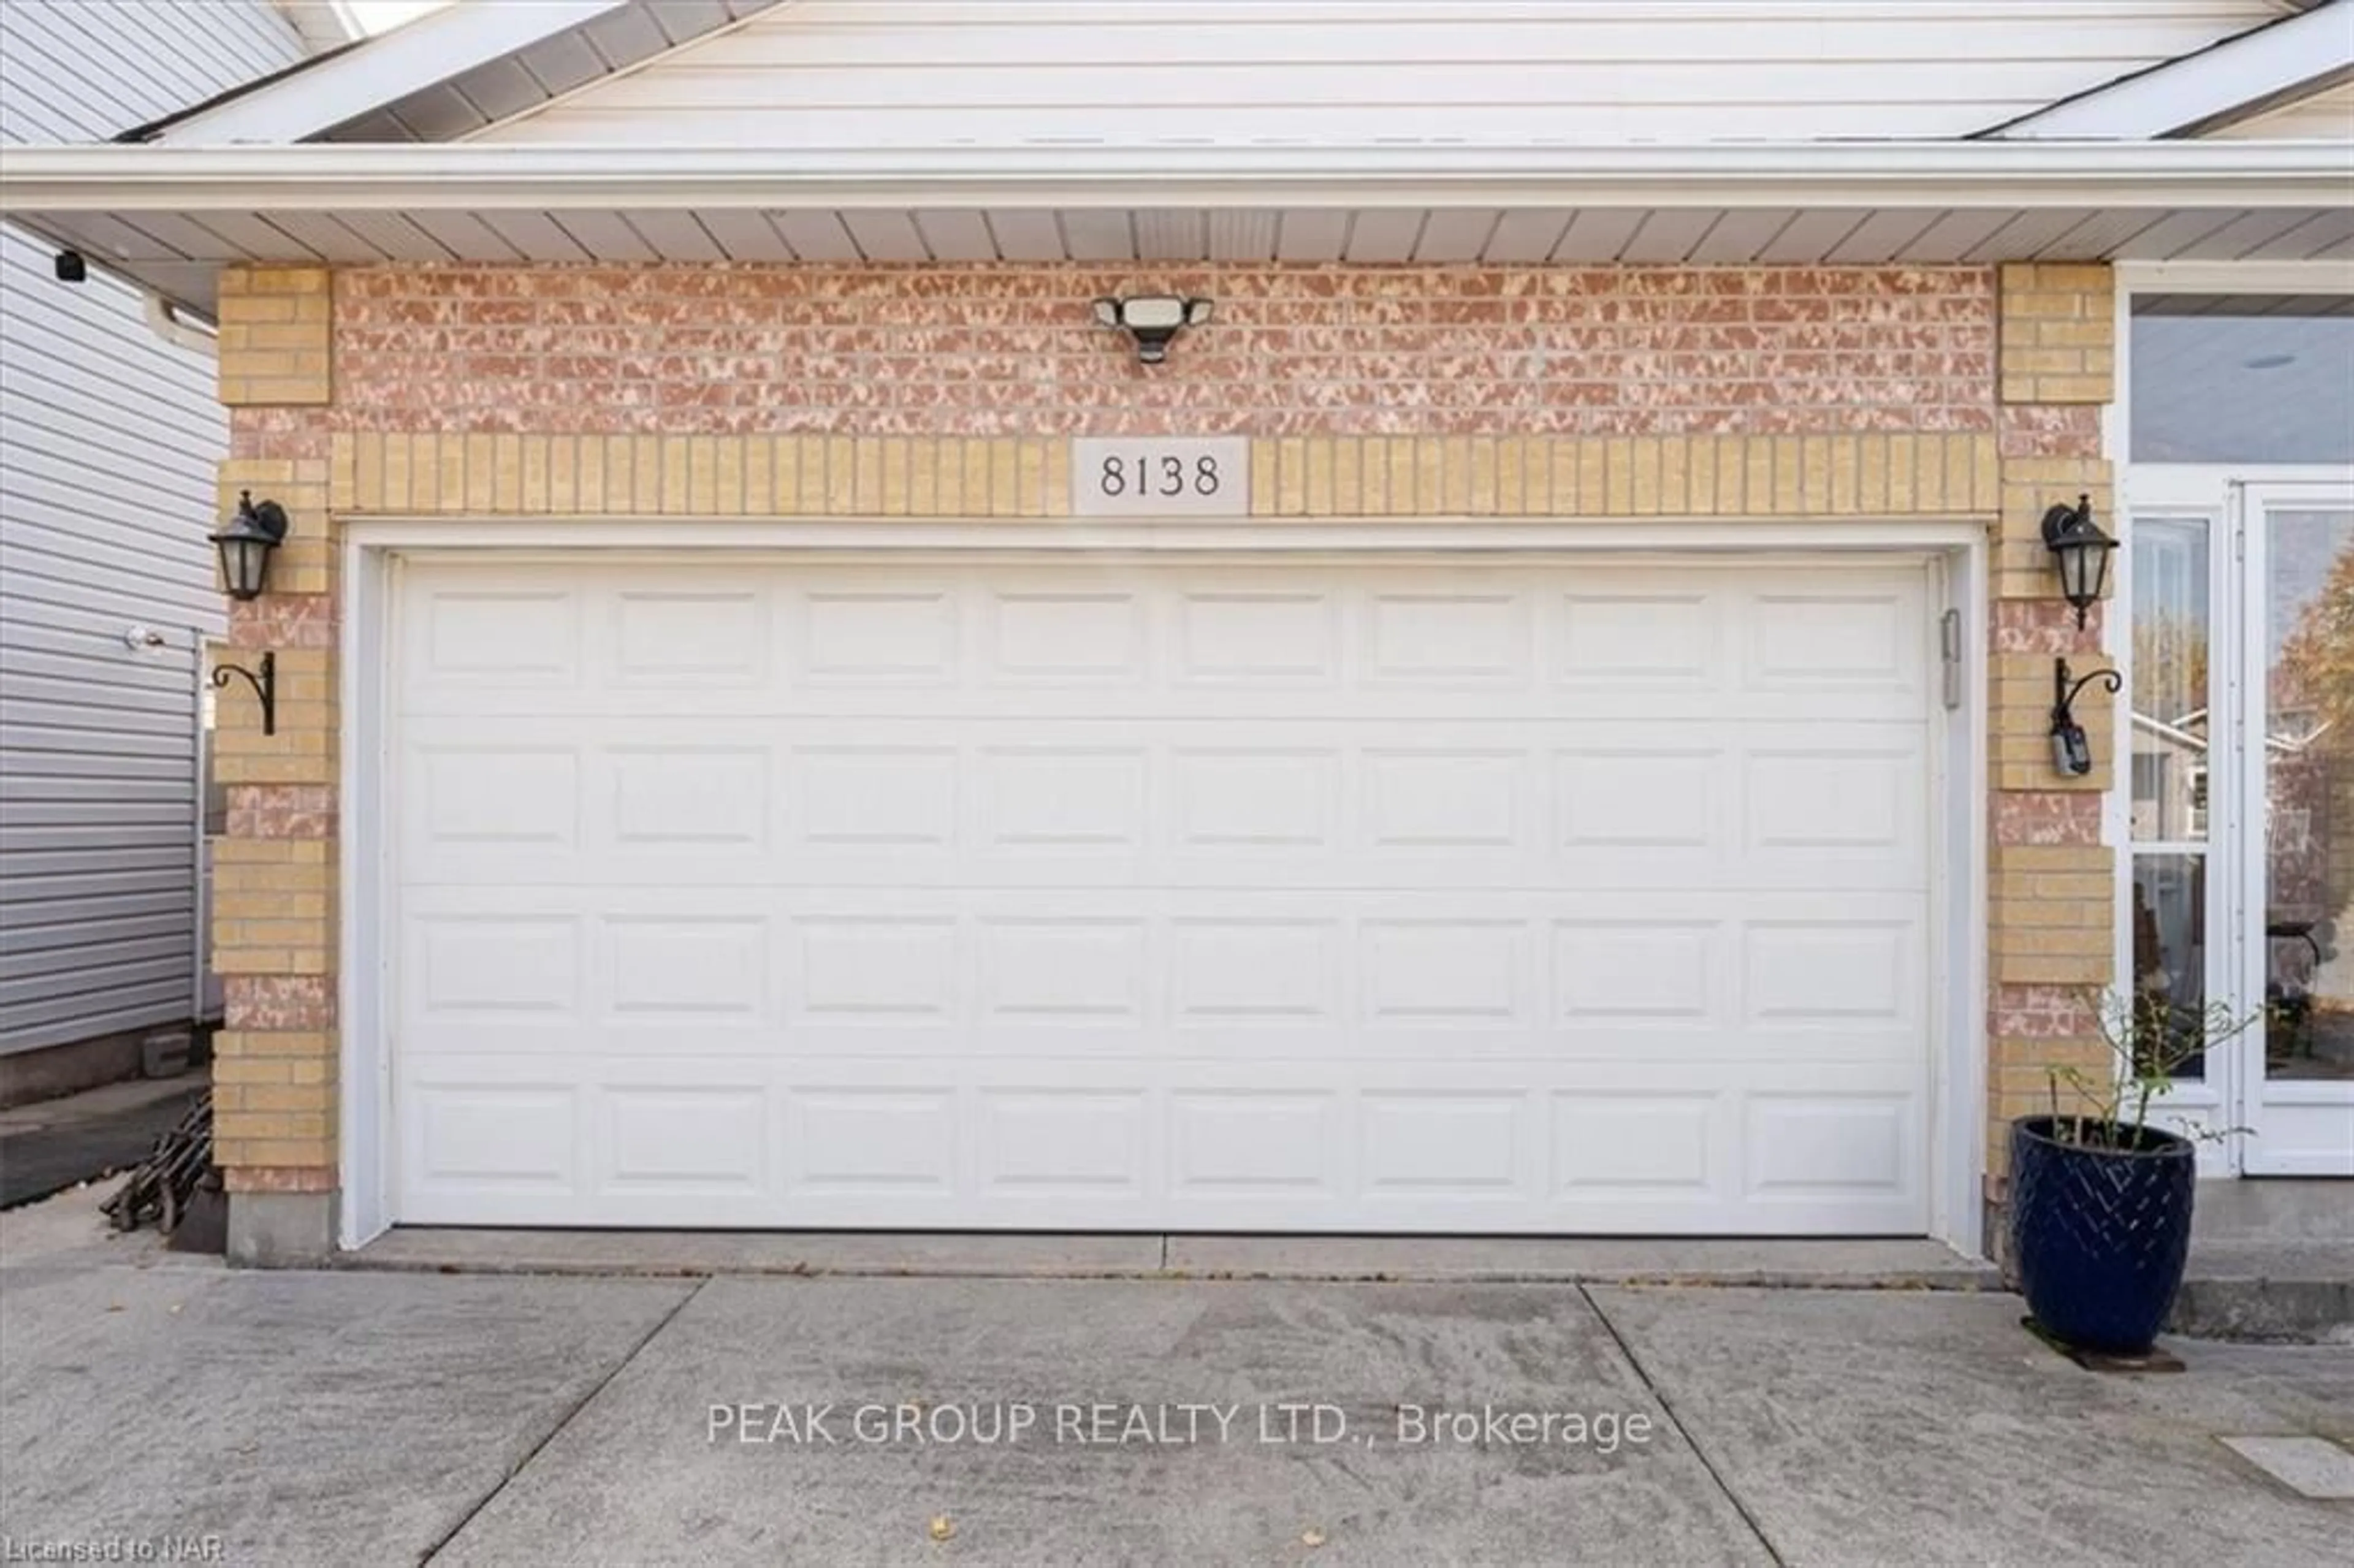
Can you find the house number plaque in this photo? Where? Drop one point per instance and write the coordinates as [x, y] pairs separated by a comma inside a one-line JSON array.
[[1159, 476]]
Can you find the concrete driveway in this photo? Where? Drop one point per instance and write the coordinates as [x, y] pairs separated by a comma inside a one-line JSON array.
[[398, 1417]]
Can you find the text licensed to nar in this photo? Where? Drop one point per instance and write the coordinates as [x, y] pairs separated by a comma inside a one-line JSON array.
[[1112, 1424]]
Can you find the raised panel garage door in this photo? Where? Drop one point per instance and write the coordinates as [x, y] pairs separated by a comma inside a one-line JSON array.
[[1353, 896]]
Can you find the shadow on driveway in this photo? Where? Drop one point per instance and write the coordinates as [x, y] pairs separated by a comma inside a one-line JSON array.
[[39, 1161]]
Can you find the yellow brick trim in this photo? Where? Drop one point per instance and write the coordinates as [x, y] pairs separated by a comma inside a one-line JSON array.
[[2019, 703], [381, 473], [274, 1099], [1880, 474], [2021, 565], [303, 748], [2026, 958], [2057, 333], [274, 906], [2051, 859], [275, 344], [2051, 928], [1845, 475]]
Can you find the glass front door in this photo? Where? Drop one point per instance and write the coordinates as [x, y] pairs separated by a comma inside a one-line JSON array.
[[2296, 772], [2239, 813]]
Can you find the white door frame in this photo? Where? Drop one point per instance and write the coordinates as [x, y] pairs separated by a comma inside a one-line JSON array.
[[372, 553], [2258, 1093], [2204, 1108], [2234, 840], [2223, 1107]]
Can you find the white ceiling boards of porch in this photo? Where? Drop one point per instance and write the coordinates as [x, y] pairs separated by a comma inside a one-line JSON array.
[[843, 73]]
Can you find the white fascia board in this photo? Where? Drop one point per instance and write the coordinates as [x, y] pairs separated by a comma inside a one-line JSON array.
[[2243, 174], [2239, 77], [383, 70], [321, 23]]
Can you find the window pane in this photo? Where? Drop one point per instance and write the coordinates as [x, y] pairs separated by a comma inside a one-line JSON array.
[[2169, 679], [2309, 795], [2242, 378], [2169, 947]]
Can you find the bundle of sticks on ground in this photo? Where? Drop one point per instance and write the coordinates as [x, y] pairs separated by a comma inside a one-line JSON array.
[[159, 1187]]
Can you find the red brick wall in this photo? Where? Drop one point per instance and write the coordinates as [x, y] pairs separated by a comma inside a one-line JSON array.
[[1292, 351]]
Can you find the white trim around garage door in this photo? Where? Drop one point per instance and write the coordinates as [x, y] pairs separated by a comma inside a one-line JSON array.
[[372, 551]]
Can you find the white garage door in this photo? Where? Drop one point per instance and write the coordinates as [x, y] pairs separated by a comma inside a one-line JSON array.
[[1364, 896]]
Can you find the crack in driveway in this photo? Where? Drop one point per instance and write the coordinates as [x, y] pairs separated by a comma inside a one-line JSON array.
[[1668, 1407], [563, 1420]]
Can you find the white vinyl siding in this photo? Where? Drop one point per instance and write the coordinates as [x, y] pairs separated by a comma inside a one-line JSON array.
[[2324, 116], [916, 72], [87, 71], [109, 438]]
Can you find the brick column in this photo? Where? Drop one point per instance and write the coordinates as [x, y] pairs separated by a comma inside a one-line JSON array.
[[2052, 910], [274, 934]]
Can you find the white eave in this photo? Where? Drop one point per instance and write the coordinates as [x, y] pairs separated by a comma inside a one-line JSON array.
[[169, 216], [458, 175]]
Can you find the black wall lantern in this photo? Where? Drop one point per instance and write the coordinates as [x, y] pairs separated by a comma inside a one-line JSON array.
[[2081, 551], [246, 543], [2072, 750]]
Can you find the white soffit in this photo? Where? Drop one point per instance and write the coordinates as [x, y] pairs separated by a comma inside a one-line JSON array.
[[2229, 81], [169, 218]]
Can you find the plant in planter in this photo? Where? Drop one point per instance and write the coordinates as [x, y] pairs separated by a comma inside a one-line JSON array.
[[2100, 1200]]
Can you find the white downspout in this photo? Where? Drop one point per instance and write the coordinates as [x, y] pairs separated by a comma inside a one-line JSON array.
[[166, 321]]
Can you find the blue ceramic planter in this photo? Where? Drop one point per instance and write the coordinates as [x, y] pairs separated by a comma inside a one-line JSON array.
[[2100, 1235]]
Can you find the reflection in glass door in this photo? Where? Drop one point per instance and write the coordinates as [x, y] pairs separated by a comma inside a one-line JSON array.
[[2170, 709], [2298, 1107]]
